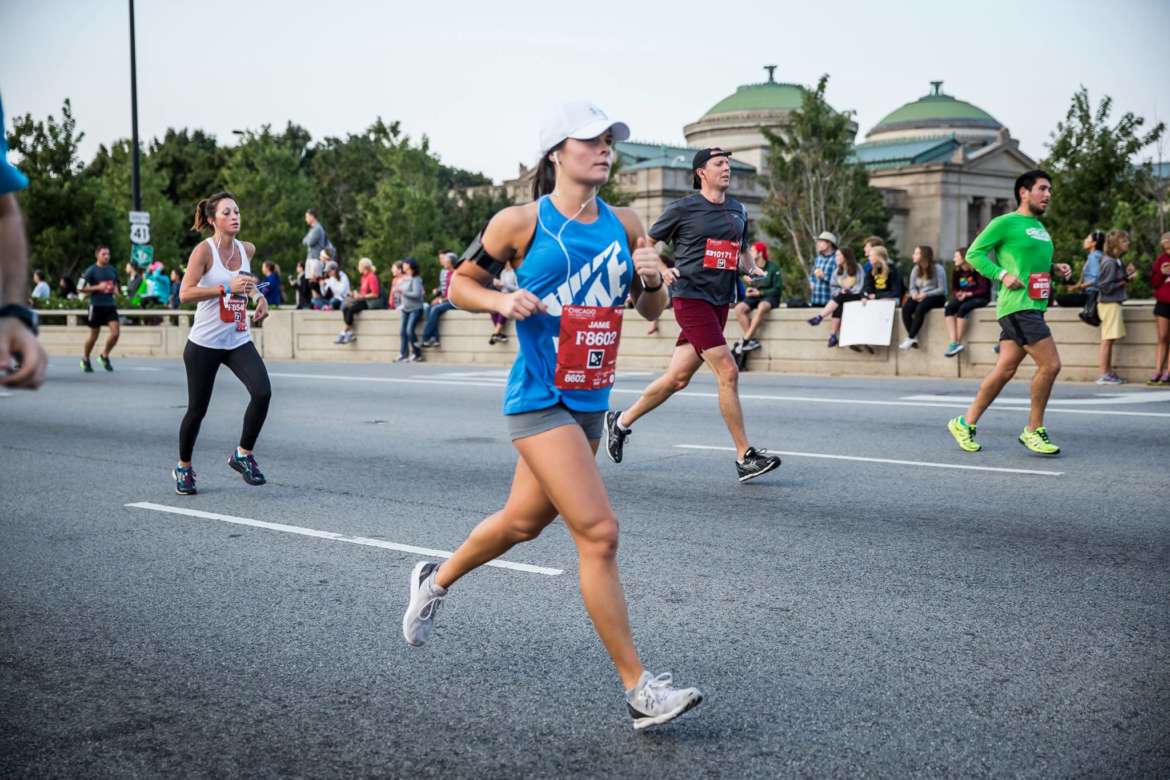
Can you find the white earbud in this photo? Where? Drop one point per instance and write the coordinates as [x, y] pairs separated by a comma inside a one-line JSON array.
[[556, 160]]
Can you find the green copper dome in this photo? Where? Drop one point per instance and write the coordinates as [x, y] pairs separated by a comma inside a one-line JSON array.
[[936, 110], [770, 95]]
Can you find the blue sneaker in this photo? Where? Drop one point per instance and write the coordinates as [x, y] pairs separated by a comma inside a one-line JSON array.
[[247, 467], [184, 481]]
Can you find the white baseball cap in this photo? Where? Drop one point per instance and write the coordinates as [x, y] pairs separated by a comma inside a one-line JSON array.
[[578, 119]]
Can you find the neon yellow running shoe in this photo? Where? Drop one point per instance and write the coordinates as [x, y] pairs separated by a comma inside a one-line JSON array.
[[1038, 442], [964, 434]]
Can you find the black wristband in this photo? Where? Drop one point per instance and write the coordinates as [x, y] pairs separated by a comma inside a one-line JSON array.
[[22, 313], [661, 281]]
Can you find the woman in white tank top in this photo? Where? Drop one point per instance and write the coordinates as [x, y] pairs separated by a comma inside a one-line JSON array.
[[220, 280]]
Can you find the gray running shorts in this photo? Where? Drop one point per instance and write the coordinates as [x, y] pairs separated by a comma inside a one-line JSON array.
[[1024, 327], [531, 423]]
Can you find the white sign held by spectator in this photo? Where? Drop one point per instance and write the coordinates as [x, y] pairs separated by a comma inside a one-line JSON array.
[[868, 322]]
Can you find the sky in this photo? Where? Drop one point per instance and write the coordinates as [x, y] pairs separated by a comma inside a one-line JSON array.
[[476, 78]]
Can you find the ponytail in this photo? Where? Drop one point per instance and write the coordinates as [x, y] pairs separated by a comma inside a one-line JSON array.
[[545, 180], [205, 210]]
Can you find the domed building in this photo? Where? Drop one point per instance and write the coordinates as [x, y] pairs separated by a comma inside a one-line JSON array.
[[945, 167]]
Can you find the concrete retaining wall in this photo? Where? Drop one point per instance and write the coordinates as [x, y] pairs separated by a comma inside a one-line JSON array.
[[789, 344]]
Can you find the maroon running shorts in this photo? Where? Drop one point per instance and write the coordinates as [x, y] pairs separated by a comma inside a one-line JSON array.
[[700, 323]]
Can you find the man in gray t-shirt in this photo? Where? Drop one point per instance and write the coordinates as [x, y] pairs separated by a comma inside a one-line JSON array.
[[99, 282]]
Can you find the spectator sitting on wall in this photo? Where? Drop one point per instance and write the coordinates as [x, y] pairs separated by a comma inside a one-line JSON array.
[[928, 290], [66, 287], [439, 303], [272, 293], [40, 288], [823, 265], [761, 295], [334, 287], [505, 283], [882, 280], [368, 296], [871, 243], [971, 290], [845, 284]]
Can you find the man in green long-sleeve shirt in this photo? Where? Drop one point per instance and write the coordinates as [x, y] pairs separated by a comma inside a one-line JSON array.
[[1023, 267], [763, 295]]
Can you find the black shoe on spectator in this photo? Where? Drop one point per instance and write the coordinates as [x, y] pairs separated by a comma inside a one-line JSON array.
[[755, 463], [750, 345]]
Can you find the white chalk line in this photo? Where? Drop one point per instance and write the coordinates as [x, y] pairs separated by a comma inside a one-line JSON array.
[[335, 537], [929, 464]]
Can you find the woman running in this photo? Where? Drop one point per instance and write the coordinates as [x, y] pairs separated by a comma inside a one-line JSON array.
[[219, 278], [571, 254]]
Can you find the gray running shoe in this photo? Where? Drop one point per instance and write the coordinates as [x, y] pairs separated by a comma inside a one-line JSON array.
[[425, 599], [655, 700]]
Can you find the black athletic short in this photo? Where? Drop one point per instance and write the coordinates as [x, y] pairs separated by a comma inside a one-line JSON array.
[[1162, 309], [1024, 327], [753, 301], [101, 315]]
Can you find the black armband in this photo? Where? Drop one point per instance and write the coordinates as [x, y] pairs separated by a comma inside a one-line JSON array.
[[478, 255]]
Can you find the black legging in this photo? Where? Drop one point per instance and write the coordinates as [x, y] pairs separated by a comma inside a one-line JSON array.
[[957, 308], [202, 365], [350, 309], [914, 312]]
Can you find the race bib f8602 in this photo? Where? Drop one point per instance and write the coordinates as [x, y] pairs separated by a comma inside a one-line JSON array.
[[588, 346]]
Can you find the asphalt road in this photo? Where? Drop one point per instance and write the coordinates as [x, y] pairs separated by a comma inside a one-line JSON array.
[[843, 617]]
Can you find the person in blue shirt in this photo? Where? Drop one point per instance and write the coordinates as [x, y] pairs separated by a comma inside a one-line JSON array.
[[272, 293], [1078, 294], [820, 280], [577, 260]]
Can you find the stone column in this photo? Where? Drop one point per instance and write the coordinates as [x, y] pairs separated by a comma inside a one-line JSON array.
[[984, 212]]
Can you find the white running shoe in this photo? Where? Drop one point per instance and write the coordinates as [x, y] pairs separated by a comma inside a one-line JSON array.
[[907, 344], [425, 599], [655, 700]]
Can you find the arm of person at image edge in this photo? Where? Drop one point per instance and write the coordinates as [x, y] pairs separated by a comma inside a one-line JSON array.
[[508, 233], [241, 284], [15, 336]]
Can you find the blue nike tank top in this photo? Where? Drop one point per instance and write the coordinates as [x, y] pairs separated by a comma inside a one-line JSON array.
[[598, 272]]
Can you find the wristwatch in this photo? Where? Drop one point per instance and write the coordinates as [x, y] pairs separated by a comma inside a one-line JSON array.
[[22, 313]]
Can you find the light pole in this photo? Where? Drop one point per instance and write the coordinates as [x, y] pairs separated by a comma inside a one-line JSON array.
[[134, 186]]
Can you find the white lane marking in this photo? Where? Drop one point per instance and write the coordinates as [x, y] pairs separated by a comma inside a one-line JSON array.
[[953, 403], [362, 540], [143, 368], [883, 460], [5, 394], [1139, 397]]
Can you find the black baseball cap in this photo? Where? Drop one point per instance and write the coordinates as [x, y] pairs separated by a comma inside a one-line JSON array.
[[702, 157]]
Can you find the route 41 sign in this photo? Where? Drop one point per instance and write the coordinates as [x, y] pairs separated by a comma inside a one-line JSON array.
[[140, 227]]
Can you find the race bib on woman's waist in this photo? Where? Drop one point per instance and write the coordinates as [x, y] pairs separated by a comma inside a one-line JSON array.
[[1039, 286], [721, 255], [234, 308], [588, 346]]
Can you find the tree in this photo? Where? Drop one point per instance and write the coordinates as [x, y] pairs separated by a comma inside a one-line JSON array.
[[1096, 184], [65, 213], [192, 163], [814, 183], [169, 225], [266, 175]]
